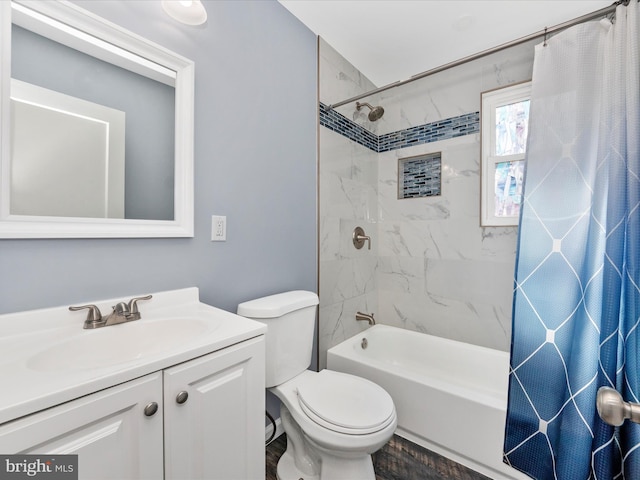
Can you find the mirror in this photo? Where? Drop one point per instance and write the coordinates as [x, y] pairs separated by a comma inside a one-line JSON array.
[[96, 128]]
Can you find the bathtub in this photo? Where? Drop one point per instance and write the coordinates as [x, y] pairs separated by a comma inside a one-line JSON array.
[[451, 397]]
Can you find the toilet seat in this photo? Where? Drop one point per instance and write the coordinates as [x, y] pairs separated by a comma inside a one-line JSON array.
[[345, 403]]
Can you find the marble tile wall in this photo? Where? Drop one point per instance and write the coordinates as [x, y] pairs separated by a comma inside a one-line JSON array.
[[432, 268], [348, 185], [439, 272], [452, 92]]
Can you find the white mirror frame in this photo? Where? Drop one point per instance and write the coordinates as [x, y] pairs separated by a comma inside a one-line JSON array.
[[107, 41]]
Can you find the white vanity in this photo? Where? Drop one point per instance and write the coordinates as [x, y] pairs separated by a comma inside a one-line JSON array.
[[177, 394]]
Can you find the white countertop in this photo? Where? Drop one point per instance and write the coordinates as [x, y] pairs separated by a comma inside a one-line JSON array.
[[25, 336]]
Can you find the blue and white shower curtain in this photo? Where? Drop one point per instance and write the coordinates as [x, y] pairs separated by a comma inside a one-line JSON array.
[[577, 303]]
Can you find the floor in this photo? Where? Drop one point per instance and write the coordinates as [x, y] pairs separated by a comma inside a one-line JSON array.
[[399, 459]]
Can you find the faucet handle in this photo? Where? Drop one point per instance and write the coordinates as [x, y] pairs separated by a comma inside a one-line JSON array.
[[359, 238], [94, 317], [133, 303]]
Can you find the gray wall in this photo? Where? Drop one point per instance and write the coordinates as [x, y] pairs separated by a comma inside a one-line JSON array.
[[255, 162]]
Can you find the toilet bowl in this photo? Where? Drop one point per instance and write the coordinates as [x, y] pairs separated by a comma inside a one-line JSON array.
[[338, 421], [334, 421]]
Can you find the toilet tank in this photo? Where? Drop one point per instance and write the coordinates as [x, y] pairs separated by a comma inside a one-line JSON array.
[[290, 318]]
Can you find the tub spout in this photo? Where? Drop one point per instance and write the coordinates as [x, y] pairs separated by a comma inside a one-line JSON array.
[[365, 316]]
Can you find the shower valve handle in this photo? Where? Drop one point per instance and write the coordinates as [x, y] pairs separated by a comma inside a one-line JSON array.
[[359, 238]]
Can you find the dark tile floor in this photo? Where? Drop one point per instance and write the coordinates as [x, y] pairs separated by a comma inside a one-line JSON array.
[[399, 459]]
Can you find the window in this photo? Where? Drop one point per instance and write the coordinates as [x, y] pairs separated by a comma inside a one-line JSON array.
[[505, 122]]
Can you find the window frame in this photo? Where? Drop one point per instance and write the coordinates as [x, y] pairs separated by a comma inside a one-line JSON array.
[[490, 100]]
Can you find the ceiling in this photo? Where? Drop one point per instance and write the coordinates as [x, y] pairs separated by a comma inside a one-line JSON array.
[[391, 40]]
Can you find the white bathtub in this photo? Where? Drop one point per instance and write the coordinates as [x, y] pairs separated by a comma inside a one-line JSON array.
[[451, 397]]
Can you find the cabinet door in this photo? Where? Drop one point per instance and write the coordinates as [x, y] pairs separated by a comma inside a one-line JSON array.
[[218, 432], [108, 430]]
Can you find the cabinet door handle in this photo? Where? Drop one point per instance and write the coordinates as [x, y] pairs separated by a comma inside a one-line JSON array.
[[151, 409], [182, 397]]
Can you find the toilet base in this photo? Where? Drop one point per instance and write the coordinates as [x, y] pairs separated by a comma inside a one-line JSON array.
[[287, 470], [303, 459]]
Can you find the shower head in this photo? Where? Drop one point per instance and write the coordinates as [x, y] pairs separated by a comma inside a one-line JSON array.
[[375, 113]]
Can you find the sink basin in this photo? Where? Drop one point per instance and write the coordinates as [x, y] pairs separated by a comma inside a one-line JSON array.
[[118, 344], [48, 359]]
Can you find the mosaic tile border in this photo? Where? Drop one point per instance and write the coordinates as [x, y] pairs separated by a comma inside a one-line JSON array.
[[340, 124], [431, 132], [447, 128]]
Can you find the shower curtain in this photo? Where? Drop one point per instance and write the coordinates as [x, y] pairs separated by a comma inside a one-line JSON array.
[[576, 302]]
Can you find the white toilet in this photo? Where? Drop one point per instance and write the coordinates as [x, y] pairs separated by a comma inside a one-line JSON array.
[[333, 421]]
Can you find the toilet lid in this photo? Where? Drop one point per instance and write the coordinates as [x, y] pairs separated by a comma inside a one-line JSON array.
[[346, 403]]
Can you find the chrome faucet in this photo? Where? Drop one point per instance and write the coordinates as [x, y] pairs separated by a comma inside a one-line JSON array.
[[122, 312], [365, 316]]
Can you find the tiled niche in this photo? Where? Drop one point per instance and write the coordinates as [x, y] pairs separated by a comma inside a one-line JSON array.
[[420, 176]]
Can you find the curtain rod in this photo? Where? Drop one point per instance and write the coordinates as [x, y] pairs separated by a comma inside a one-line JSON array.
[[543, 33]]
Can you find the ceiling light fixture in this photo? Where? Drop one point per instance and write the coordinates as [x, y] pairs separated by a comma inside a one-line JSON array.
[[189, 12]]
